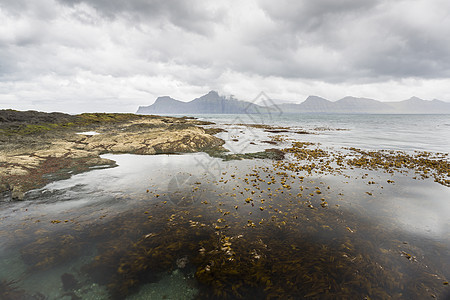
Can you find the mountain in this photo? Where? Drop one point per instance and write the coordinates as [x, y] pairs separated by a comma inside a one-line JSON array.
[[416, 105], [315, 104], [353, 105], [211, 103], [163, 104], [361, 105]]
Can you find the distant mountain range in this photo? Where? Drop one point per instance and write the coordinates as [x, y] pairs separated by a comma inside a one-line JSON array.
[[213, 103]]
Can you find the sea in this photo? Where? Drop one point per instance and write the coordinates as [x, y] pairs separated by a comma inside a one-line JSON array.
[[192, 226]]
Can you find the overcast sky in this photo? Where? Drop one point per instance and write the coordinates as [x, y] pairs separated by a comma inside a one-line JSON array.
[[114, 55]]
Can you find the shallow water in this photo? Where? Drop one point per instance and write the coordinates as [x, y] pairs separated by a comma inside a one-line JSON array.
[[187, 226]]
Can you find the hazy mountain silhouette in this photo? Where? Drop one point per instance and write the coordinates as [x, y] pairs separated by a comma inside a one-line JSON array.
[[213, 103], [353, 105]]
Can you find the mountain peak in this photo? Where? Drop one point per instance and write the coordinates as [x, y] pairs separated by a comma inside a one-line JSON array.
[[164, 98], [213, 93], [414, 98], [349, 97], [313, 98]]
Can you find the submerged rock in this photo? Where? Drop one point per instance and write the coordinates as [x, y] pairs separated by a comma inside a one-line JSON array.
[[182, 262]]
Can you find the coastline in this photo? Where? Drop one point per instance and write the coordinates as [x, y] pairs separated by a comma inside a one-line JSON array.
[[37, 148]]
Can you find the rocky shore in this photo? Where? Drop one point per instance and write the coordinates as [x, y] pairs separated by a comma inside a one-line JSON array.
[[37, 148]]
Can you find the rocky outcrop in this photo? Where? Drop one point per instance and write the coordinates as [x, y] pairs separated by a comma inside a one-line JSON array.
[[31, 159]]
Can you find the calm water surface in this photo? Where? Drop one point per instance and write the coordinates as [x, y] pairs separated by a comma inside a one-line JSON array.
[[190, 226]]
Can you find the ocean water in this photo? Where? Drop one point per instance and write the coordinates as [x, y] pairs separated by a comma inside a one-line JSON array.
[[374, 132], [195, 227]]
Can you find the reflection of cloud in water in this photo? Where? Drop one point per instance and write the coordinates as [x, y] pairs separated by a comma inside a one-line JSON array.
[[414, 206]]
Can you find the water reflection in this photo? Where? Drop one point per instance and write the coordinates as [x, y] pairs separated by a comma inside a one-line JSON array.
[[226, 229]]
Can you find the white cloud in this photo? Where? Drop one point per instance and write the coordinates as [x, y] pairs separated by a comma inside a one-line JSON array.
[[76, 55]]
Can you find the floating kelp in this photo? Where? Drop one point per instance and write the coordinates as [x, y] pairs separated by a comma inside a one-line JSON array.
[[311, 158], [425, 164]]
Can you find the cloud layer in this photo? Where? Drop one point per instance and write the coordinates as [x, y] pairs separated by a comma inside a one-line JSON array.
[[112, 55]]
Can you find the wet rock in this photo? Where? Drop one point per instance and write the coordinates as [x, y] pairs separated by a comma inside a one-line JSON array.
[[276, 130], [276, 154], [5, 194]]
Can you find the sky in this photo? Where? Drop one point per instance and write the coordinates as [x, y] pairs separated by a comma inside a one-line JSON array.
[[113, 55]]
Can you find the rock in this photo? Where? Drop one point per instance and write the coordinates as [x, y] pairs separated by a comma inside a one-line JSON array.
[[24, 160], [122, 148], [31, 158], [17, 193], [148, 150], [75, 153], [97, 161], [17, 171]]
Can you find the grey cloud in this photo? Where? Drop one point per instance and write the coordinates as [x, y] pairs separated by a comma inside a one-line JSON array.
[[372, 39], [35, 9], [323, 39], [310, 15], [161, 45], [13, 7], [190, 15], [411, 47]]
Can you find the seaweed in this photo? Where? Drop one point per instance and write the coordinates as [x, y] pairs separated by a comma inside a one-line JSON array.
[[10, 291], [46, 252], [301, 254]]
